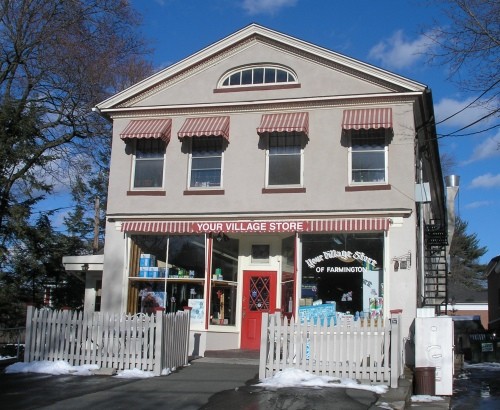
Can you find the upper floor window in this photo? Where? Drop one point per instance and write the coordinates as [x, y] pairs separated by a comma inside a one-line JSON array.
[[369, 131], [206, 162], [149, 163], [258, 75], [368, 157], [284, 160]]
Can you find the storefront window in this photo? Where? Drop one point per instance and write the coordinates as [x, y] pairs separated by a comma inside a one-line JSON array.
[[224, 281], [167, 272], [346, 269]]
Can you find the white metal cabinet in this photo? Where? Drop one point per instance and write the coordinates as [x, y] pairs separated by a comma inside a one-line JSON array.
[[434, 348]]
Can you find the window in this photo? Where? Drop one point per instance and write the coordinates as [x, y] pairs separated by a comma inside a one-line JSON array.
[[166, 271], [368, 156], [258, 75], [352, 276], [284, 160], [224, 287], [149, 160], [206, 162]]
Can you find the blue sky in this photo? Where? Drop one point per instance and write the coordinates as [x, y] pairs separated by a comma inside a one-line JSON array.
[[388, 34]]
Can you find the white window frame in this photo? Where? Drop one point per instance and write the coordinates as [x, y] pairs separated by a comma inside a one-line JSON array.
[[301, 183], [386, 164], [189, 187], [240, 70], [134, 163]]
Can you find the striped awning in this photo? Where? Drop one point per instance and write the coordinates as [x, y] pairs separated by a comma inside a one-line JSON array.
[[153, 128], [205, 126], [367, 118], [285, 122], [315, 225]]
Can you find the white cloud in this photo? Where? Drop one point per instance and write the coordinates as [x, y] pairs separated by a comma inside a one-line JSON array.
[[449, 106], [487, 149], [486, 181], [478, 204], [266, 6], [398, 52]]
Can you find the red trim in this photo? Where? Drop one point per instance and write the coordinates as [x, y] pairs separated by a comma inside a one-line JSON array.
[[355, 188], [146, 193], [256, 88], [283, 190], [208, 280], [204, 192]]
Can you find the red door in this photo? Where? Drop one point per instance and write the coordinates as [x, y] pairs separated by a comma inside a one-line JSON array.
[[259, 295]]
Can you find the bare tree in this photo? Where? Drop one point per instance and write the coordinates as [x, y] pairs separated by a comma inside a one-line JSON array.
[[58, 58], [470, 42]]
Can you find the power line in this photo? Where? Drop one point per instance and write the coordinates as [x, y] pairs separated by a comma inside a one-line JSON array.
[[468, 105]]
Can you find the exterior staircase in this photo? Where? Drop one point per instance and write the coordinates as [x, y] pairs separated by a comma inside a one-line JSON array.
[[436, 266]]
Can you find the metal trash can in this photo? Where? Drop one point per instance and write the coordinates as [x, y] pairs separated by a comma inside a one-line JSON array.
[[425, 381]]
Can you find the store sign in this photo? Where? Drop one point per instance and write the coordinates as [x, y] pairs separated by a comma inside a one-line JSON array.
[[247, 227], [345, 256]]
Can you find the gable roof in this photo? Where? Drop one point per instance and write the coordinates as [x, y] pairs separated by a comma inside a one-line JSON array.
[[260, 33]]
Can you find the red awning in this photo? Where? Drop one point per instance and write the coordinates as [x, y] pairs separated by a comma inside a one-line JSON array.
[[285, 122], [153, 128], [315, 225], [367, 118], [205, 126]]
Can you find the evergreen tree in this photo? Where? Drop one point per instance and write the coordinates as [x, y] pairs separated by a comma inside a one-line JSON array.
[[465, 252]]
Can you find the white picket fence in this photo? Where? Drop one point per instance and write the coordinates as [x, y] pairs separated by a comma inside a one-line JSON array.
[[358, 350], [145, 342]]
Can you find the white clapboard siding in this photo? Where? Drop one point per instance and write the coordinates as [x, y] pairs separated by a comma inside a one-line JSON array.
[[145, 342], [356, 350]]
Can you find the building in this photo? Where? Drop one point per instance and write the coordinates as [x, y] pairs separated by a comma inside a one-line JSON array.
[[493, 276], [265, 173]]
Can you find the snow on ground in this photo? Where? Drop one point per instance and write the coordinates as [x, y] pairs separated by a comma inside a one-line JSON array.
[[300, 378], [424, 398], [484, 365], [285, 378], [55, 368], [61, 367]]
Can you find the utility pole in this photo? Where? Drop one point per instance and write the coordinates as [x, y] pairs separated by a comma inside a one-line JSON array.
[[95, 243]]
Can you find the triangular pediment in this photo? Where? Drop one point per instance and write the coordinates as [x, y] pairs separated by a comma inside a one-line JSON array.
[[322, 73]]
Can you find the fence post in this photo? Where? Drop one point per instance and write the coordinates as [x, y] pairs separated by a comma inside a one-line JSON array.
[[29, 333], [263, 345], [187, 310], [396, 365], [158, 343]]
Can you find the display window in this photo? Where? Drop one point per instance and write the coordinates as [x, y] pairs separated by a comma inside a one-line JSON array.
[[344, 270], [223, 292], [167, 272]]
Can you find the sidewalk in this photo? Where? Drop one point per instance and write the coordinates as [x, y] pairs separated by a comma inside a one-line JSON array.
[[208, 383]]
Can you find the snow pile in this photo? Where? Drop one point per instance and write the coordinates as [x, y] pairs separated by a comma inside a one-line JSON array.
[[134, 374], [424, 398], [61, 367], [300, 378], [54, 368]]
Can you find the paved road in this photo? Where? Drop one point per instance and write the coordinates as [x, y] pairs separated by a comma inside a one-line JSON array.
[[202, 385]]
